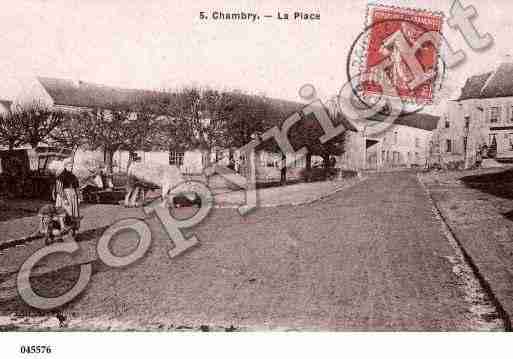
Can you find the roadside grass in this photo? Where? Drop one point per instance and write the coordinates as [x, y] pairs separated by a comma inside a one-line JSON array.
[[478, 207]]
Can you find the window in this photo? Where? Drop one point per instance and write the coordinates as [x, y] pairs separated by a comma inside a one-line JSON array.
[[299, 163], [494, 114], [447, 124], [510, 141], [396, 158], [417, 142], [176, 158], [467, 123], [465, 140], [491, 138], [263, 159], [448, 146], [511, 113], [135, 157]]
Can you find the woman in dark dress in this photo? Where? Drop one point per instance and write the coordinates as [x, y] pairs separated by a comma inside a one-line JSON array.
[[66, 189]]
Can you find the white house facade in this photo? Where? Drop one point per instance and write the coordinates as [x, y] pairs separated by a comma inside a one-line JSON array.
[[481, 117], [377, 145]]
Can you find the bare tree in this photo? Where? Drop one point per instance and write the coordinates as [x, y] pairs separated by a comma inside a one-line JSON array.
[[105, 129], [11, 131], [128, 128], [70, 132], [181, 130], [193, 120], [36, 122]]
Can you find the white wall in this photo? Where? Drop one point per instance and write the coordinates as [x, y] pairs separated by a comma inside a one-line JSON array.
[[193, 162], [28, 91], [4, 109]]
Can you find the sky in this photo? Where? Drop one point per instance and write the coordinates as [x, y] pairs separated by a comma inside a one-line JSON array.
[[165, 45]]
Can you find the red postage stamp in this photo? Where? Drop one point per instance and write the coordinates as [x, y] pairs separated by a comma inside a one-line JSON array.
[[402, 51]]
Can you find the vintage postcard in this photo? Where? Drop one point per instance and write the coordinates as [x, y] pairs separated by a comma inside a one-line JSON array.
[[332, 166]]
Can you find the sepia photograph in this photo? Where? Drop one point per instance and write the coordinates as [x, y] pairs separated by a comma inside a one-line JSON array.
[[254, 168]]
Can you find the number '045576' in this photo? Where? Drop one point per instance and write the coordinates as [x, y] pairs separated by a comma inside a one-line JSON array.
[[35, 349]]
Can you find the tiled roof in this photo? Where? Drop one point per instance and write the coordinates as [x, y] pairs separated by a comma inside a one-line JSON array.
[[423, 121], [498, 83], [84, 94], [418, 120], [473, 86], [501, 82]]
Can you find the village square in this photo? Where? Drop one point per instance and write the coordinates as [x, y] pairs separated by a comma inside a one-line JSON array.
[[375, 205]]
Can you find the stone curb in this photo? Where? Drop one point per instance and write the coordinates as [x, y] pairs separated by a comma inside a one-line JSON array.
[[342, 186], [451, 236]]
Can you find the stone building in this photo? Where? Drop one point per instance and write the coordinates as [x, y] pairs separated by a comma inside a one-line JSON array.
[[481, 118], [381, 145]]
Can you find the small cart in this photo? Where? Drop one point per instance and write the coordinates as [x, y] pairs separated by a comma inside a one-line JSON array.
[[54, 224]]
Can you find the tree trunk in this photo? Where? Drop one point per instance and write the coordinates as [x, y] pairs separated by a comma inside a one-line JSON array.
[[129, 160], [283, 170], [231, 162], [308, 160], [108, 157]]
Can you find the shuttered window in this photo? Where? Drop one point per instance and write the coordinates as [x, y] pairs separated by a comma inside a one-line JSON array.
[[494, 114], [176, 158]]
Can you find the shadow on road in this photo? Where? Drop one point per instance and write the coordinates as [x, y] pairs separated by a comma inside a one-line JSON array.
[[14, 209], [499, 184], [8, 214]]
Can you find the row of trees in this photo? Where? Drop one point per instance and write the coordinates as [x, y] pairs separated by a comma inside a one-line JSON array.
[[28, 125], [181, 120]]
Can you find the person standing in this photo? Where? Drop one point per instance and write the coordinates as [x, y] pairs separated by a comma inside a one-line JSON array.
[[67, 193]]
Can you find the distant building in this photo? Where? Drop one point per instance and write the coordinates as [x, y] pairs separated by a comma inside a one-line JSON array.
[[481, 117], [380, 145]]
